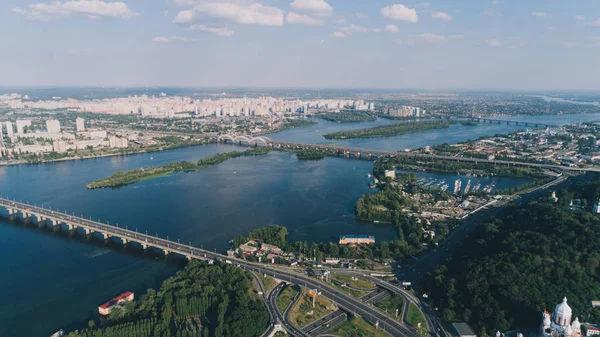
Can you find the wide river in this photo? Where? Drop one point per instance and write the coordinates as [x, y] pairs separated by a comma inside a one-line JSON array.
[[51, 281]]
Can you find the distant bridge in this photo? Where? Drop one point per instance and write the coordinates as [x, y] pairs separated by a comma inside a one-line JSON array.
[[508, 122], [241, 139], [366, 154]]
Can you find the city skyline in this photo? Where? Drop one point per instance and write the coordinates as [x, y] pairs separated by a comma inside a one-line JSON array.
[[496, 44]]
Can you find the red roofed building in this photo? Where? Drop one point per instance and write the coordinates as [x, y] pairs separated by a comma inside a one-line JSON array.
[[105, 308]]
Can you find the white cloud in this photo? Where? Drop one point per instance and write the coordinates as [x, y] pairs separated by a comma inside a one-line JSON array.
[[579, 17], [360, 29], [356, 29], [317, 7], [392, 28], [433, 38], [91, 9], [441, 16], [167, 39], [166, 12], [539, 14], [339, 34], [400, 12], [493, 43], [239, 12], [428, 38], [221, 31], [300, 19], [596, 23]]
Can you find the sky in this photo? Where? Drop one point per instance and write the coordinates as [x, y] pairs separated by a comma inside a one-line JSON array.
[[435, 44]]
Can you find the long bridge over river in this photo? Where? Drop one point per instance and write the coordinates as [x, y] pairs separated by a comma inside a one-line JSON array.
[[365, 154], [48, 217], [509, 122]]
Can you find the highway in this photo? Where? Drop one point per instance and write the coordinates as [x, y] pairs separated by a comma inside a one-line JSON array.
[[350, 304]]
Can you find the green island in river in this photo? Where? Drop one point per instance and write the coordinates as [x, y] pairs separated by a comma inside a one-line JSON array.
[[129, 177], [391, 130]]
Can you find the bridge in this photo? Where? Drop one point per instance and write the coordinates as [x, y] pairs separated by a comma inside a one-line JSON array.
[[249, 140], [47, 217], [508, 122], [365, 154]]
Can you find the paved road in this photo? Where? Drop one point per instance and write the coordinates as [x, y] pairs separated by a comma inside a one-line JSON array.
[[350, 304]]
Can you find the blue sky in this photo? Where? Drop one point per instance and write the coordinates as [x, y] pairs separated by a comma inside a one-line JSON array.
[[487, 44]]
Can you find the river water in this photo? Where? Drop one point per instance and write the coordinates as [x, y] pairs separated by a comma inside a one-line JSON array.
[[51, 280]]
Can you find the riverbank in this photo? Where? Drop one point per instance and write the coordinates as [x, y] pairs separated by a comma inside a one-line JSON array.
[[120, 179], [391, 130]]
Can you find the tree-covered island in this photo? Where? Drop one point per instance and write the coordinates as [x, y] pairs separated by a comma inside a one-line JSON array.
[[129, 177], [391, 130]]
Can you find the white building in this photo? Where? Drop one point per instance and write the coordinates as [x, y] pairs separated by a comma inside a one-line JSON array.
[[559, 323], [116, 142], [596, 208], [59, 146], [21, 124], [9, 129], [80, 124], [53, 126]]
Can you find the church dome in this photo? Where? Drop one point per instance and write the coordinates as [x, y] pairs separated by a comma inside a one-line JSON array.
[[563, 309], [576, 326]]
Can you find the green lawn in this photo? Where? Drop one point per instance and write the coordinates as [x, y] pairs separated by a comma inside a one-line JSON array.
[[286, 296], [415, 316], [303, 312], [267, 281], [354, 281], [357, 327], [390, 305]]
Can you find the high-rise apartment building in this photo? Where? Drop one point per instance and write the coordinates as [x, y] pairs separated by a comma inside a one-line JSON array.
[[53, 126], [80, 124], [21, 124]]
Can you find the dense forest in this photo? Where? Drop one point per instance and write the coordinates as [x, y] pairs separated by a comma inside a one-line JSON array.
[[201, 300], [390, 130], [119, 179], [348, 116], [525, 261]]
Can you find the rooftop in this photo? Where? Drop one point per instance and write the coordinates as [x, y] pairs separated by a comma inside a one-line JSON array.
[[463, 329]]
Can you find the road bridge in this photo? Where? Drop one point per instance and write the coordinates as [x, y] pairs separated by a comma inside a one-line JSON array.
[[44, 216], [365, 154], [509, 122]]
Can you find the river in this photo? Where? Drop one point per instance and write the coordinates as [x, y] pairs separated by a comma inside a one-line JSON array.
[[51, 281]]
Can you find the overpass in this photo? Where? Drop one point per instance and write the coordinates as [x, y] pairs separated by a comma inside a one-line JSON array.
[[44, 216], [365, 154]]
